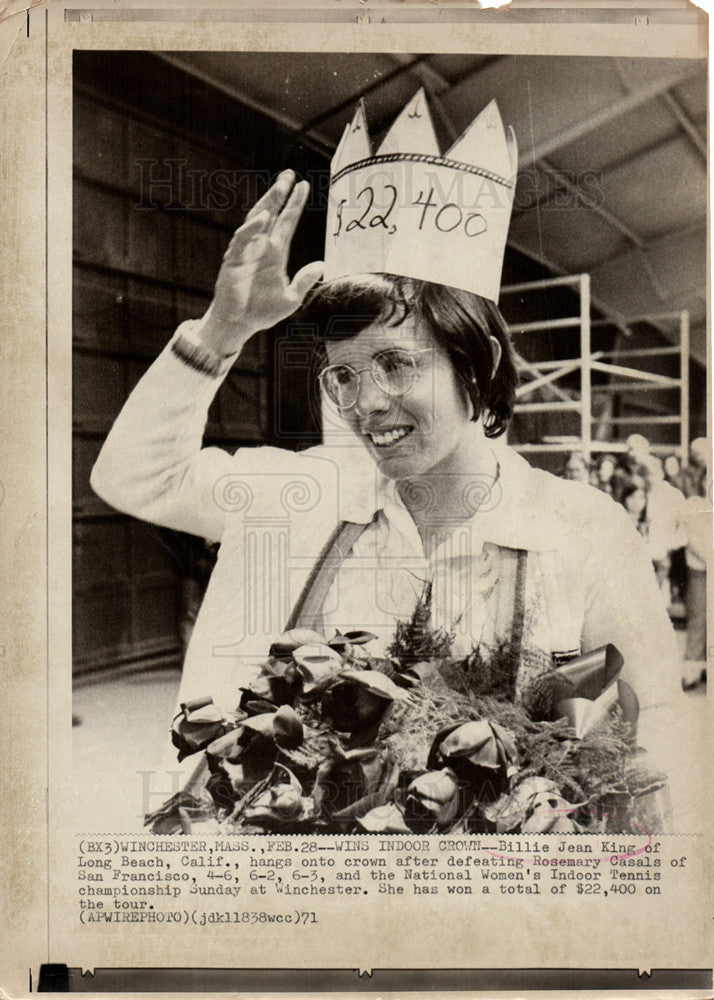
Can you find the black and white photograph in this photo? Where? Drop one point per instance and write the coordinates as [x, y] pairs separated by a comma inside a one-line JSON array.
[[391, 490], [358, 486]]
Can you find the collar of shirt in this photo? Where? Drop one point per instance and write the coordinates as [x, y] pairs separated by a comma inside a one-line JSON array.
[[526, 508]]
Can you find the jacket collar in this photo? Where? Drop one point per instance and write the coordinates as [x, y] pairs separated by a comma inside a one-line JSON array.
[[525, 508]]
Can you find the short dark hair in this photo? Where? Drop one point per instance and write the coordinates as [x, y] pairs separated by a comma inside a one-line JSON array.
[[461, 323]]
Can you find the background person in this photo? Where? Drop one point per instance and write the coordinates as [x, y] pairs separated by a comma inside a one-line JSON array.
[[604, 477], [577, 469], [634, 500], [637, 454], [664, 515], [672, 469], [697, 520], [694, 474]]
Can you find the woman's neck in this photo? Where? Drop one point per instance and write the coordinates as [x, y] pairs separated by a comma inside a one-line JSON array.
[[452, 492]]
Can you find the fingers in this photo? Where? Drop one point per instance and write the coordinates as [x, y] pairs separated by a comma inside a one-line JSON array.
[[245, 234], [268, 232], [305, 278], [278, 210], [286, 223], [275, 197]]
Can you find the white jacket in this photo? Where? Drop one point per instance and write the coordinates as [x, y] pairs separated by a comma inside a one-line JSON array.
[[589, 580]]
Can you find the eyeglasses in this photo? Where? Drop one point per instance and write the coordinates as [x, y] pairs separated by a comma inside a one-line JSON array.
[[394, 371]]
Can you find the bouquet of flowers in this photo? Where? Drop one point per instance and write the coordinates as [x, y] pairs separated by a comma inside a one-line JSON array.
[[329, 739]]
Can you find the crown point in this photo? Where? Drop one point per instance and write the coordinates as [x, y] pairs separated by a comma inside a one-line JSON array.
[[512, 146], [484, 142], [354, 144], [337, 155], [412, 130]]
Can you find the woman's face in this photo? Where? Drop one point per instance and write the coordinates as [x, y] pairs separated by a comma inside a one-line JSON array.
[[576, 469], [606, 470], [422, 431], [635, 502]]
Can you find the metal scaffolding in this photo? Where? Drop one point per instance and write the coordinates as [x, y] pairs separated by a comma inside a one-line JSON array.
[[545, 375]]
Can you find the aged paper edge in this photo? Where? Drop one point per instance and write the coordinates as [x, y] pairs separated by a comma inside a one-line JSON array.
[[35, 369]]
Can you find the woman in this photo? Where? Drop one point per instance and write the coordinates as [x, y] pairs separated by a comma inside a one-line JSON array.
[[577, 469], [344, 535], [672, 469], [605, 478], [634, 500]]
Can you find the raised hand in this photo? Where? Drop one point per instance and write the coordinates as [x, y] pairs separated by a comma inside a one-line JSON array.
[[253, 291]]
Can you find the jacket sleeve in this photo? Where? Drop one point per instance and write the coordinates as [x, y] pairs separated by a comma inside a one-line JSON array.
[[152, 465], [624, 605]]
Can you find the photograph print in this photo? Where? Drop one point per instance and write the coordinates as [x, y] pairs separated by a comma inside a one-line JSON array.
[[391, 495]]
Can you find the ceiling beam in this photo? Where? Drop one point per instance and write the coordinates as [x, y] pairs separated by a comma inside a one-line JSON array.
[[320, 143], [612, 220], [634, 239], [435, 84], [349, 103], [660, 320], [614, 110], [687, 125], [693, 229], [677, 111], [608, 168], [638, 154], [434, 81], [613, 315]]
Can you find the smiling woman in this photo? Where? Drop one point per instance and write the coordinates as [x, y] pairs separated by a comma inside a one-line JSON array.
[[466, 326], [424, 385], [337, 539], [408, 433]]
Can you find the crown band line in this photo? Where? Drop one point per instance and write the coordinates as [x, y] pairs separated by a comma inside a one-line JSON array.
[[420, 158]]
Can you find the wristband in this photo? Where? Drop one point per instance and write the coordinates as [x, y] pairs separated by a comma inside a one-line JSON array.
[[189, 348]]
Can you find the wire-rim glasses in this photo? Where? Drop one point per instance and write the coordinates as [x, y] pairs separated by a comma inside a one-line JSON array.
[[393, 370]]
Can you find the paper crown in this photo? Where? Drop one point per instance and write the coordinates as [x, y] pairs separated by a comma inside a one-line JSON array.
[[408, 210]]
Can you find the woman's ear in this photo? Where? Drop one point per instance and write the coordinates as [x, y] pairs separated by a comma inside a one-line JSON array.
[[497, 352]]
